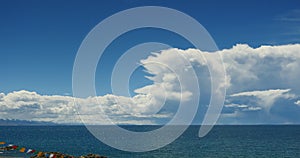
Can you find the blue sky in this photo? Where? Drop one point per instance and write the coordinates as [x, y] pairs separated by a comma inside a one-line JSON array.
[[39, 39]]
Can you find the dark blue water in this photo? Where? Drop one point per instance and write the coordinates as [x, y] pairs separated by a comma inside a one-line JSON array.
[[222, 141]]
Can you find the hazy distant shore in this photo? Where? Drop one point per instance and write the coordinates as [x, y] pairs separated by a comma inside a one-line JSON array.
[[10, 157]]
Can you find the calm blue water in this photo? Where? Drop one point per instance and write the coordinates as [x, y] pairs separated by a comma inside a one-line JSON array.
[[222, 141]]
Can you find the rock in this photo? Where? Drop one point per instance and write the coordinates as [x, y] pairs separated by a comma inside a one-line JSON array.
[[60, 155], [57, 154], [92, 156]]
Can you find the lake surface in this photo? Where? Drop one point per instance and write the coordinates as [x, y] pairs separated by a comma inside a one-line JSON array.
[[222, 141]]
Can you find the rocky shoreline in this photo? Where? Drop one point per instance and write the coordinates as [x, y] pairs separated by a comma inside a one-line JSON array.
[[53, 154], [61, 155]]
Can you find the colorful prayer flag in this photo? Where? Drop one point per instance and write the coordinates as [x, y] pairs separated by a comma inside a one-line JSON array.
[[40, 154], [14, 147], [30, 151], [18, 148], [22, 150]]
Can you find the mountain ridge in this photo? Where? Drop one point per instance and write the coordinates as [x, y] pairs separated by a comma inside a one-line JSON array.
[[17, 122]]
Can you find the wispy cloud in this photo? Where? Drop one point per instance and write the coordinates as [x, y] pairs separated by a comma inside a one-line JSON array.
[[266, 98], [291, 16], [290, 21], [297, 102]]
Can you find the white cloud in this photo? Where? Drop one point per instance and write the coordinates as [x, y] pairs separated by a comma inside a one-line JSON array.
[[27, 105], [236, 106], [297, 102], [266, 67], [242, 107], [251, 108], [266, 97], [266, 94], [166, 69], [271, 69], [274, 70]]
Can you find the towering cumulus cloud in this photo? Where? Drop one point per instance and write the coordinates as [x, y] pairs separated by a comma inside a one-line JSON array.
[[262, 87]]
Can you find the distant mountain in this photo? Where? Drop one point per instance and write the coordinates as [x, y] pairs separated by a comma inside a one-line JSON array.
[[14, 122]]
